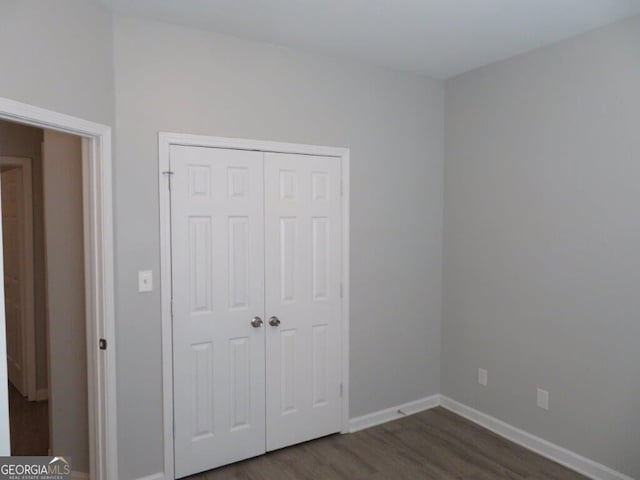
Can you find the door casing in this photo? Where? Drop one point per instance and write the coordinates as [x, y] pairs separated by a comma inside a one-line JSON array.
[[165, 140]]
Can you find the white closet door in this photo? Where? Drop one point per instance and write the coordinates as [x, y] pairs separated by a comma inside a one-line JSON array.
[[303, 269], [217, 225]]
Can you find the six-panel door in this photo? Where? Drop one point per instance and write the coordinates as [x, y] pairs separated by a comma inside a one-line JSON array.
[[217, 232], [253, 235], [303, 226]]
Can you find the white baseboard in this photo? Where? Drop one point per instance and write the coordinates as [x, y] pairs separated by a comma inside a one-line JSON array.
[[393, 413], [536, 444], [155, 476], [42, 394], [79, 475]]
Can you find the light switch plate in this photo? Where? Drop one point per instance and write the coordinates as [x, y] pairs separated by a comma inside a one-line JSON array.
[[543, 399], [145, 281], [482, 377]]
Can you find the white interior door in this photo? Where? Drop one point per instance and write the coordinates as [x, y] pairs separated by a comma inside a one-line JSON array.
[[13, 245], [303, 271], [217, 225]]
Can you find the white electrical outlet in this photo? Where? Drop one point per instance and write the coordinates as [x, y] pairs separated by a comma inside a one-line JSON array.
[[482, 377], [543, 399], [145, 281]]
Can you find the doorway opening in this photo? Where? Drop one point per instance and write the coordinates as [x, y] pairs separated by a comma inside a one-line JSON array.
[[42, 240], [57, 362]]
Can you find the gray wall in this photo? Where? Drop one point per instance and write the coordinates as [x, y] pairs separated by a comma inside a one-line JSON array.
[[58, 55], [542, 238], [176, 79], [66, 319], [23, 141]]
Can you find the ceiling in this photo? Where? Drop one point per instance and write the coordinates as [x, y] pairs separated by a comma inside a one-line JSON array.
[[440, 38]]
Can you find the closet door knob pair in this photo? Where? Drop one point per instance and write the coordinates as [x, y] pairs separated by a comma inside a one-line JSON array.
[[257, 322]]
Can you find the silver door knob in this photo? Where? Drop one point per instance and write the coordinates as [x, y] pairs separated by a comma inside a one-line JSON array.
[[274, 321], [256, 322]]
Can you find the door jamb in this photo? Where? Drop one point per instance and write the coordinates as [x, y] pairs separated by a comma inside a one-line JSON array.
[[29, 331], [165, 140], [99, 289]]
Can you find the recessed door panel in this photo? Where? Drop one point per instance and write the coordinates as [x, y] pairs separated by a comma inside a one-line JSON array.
[[288, 371], [287, 258], [200, 287], [241, 383], [217, 232], [202, 385], [320, 254], [320, 365], [239, 268]]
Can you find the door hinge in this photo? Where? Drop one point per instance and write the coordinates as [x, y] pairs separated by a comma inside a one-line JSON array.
[[168, 174], [102, 344], [341, 390]]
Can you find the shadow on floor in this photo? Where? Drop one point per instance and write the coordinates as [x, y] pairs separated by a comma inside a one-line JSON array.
[[29, 425]]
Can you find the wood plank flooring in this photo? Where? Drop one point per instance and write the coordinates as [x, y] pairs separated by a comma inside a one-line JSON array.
[[435, 444], [28, 425]]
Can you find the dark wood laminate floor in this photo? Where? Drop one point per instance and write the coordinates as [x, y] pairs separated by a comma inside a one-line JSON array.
[[435, 444], [28, 425]]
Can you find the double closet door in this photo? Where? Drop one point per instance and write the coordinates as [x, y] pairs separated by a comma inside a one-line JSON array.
[[256, 271]]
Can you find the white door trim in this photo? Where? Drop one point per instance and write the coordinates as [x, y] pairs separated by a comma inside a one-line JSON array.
[[165, 140], [29, 332], [98, 240]]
